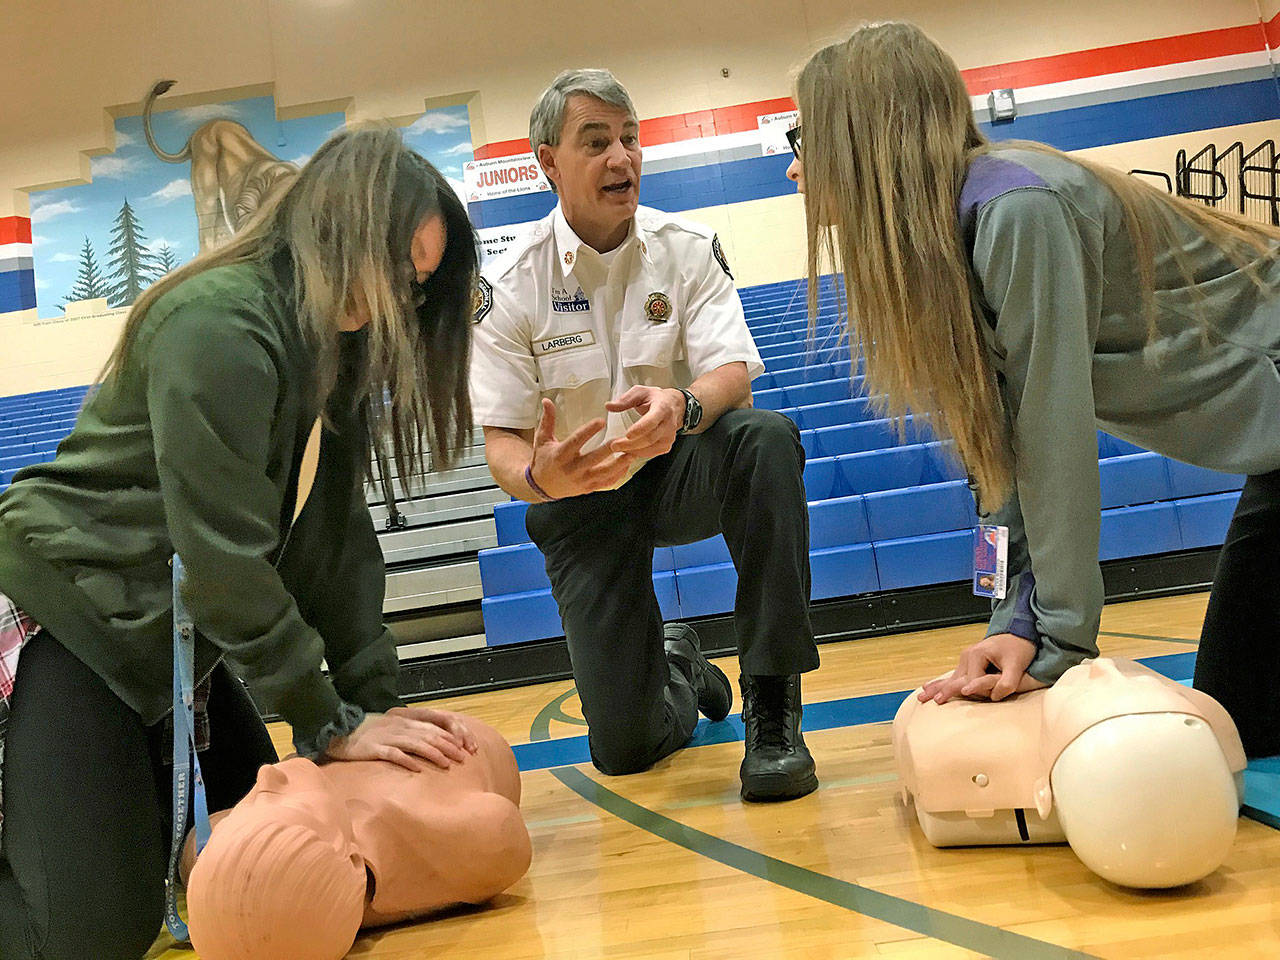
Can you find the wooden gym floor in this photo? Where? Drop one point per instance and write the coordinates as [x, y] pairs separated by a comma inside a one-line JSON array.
[[670, 865]]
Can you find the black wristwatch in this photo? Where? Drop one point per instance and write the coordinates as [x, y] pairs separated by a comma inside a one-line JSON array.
[[692, 413]]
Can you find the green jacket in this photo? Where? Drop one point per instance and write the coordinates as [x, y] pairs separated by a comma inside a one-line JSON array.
[[1057, 276], [195, 449]]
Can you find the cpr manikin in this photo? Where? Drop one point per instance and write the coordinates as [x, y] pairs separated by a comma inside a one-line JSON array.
[[314, 853], [1141, 775]]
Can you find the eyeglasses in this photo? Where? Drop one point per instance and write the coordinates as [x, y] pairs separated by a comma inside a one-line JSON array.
[[794, 138]]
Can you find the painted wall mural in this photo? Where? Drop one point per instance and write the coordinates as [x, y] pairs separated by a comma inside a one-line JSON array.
[[181, 180]]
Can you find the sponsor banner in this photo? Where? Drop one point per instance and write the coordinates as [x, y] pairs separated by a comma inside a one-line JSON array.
[[503, 177], [773, 131]]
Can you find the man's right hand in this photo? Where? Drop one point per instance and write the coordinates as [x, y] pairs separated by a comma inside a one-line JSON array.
[[562, 470]]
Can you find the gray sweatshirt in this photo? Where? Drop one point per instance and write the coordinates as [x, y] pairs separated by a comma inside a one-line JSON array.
[[1056, 273]]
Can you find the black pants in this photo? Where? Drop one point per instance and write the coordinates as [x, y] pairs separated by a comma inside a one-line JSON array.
[[744, 478], [1239, 659], [87, 799]]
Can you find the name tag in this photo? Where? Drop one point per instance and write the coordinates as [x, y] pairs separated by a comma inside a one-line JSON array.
[[584, 338], [564, 302], [990, 561]]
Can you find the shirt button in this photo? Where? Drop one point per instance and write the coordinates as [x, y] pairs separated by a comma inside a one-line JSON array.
[[574, 381]]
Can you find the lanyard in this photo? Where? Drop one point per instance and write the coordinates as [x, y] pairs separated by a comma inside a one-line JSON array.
[[186, 761]]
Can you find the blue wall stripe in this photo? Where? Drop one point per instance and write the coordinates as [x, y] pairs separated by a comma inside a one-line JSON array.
[[17, 290], [755, 178], [1145, 118]]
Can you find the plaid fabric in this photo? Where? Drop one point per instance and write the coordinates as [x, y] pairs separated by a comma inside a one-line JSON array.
[[16, 628]]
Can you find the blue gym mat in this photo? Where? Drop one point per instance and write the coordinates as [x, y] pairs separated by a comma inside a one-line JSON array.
[[1262, 791]]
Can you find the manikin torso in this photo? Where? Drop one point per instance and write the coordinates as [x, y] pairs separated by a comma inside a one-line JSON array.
[[315, 852]]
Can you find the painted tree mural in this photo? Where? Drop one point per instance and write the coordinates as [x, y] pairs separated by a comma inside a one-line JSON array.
[[133, 266], [165, 260], [90, 283]]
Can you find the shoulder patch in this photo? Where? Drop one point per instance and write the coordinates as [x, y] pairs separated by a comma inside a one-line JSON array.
[[482, 299], [718, 252], [989, 177]]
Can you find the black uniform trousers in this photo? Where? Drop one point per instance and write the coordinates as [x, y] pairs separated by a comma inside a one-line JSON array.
[[1239, 659], [742, 477]]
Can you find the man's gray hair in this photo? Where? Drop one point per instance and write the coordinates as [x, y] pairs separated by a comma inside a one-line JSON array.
[[547, 120]]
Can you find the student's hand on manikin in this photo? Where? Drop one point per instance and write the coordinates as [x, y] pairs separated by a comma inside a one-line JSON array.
[[562, 470], [662, 416], [407, 736], [991, 669]]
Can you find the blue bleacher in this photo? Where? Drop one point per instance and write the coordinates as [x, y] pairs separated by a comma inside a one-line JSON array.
[[885, 512]]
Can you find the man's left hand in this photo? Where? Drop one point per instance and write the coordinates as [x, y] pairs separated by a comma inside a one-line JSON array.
[[655, 432]]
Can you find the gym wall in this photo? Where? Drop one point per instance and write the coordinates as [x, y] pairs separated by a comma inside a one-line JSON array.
[[1128, 84]]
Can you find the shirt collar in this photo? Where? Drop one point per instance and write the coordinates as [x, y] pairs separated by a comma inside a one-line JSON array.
[[569, 245]]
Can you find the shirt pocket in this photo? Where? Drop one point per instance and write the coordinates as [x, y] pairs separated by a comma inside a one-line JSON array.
[[658, 346], [571, 369]]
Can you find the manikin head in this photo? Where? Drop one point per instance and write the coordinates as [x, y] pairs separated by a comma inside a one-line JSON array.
[[1147, 795], [281, 875]]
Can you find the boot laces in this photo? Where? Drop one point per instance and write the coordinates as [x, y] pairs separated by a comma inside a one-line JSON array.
[[768, 710]]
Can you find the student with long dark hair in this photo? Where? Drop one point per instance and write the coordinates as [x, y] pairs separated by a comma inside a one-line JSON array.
[[232, 427]]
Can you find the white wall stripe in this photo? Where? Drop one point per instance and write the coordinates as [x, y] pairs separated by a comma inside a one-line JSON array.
[[10, 251]]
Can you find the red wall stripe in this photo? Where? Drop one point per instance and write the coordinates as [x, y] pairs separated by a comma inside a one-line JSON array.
[[15, 230], [1020, 73], [1118, 58]]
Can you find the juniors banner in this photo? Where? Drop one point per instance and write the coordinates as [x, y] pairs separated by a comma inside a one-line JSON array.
[[503, 177]]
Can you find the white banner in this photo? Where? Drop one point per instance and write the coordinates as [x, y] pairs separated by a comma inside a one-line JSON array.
[[503, 177], [773, 129], [495, 241]]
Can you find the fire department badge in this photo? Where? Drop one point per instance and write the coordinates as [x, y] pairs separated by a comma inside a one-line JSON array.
[[657, 307]]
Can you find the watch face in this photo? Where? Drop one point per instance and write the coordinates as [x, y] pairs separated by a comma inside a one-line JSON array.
[[692, 412]]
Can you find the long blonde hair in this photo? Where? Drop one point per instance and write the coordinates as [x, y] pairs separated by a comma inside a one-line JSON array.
[[889, 134], [345, 224]]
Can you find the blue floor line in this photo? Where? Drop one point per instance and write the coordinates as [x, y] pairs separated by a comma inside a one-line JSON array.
[[828, 715]]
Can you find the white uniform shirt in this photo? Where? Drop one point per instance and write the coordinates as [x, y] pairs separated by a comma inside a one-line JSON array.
[[557, 319]]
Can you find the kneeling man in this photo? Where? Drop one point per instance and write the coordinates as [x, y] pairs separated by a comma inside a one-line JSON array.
[[612, 375]]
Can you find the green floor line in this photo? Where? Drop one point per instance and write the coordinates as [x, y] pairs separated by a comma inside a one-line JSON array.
[[950, 928], [1147, 636]]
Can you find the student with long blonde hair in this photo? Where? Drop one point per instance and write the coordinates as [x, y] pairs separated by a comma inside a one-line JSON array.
[[343, 308], [1017, 298]]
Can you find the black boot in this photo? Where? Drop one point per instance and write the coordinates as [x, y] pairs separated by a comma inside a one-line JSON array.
[[715, 695], [778, 765]]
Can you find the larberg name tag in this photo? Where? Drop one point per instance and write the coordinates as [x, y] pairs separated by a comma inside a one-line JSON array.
[[583, 338]]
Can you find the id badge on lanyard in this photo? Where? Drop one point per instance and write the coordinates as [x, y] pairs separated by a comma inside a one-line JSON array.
[[187, 779], [990, 561]]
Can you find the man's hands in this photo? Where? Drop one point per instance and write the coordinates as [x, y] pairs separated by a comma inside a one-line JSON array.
[[407, 736], [655, 432], [562, 470], [1007, 654]]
